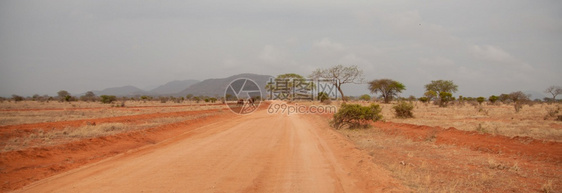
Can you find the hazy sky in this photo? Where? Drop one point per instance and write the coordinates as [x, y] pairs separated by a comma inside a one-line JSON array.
[[485, 47]]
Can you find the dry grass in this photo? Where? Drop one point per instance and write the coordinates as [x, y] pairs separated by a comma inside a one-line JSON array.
[[84, 110], [53, 137], [426, 167], [538, 121], [533, 121], [80, 104]]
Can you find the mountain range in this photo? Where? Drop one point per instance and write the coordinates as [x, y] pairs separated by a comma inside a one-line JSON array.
[[209, 87]]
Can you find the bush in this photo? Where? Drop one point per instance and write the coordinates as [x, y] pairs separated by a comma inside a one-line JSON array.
[[17, 98], [365, 97], [553, 113], [480, 100], [355, 115], [493, 99], [108, 98], [519, 99], [403, 110], [322, 96], [444, 98], [424, 99]]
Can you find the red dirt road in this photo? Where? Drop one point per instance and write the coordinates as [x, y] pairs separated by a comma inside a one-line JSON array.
[[253, 153]]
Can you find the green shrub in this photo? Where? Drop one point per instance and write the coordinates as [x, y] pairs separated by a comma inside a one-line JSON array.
[[365, 97], [108, 98], [322, 96], [493, 99], [444, 98], [355, 115], [480, 100], [403, 110]]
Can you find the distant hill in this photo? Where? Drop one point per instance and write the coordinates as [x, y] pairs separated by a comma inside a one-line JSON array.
[[208, 87], [173, 87], [122, 91], [216, 87]]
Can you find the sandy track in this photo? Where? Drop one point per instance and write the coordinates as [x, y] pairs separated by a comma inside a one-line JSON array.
[[252, 153]]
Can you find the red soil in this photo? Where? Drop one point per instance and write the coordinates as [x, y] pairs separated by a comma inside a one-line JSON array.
[[536, 150], [9, 131], [120, 108], [19, 168]]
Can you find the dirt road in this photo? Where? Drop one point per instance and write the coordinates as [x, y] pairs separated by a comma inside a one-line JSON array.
[[252, 153]]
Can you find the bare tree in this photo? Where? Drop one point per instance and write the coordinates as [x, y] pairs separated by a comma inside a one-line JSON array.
[[341, 75], [519, 98], [89, 96], [554, 90]]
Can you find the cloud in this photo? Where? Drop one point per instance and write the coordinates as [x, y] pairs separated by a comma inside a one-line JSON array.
[[270, 54], [497, 55], [353, 59], [43, 45], [436, 62], [492, 53], [326, 43]]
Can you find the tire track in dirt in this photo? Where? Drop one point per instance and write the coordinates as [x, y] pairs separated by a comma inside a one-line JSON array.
[[259, 152], [18, 168]]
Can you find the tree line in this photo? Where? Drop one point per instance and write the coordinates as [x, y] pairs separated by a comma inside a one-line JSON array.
[[65, 96], [439, 92]]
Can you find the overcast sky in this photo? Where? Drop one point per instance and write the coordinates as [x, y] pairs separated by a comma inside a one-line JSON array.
[[485, 47]]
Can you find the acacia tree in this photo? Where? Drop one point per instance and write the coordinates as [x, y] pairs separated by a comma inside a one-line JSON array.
[[365, 97], [387, 87], [291, 79], [430, 95], [188, 97], [554, 90], [63, 95], [443, 88], [493, 99], [341, 75], [89, 96], [504, 98], [480, 100]]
